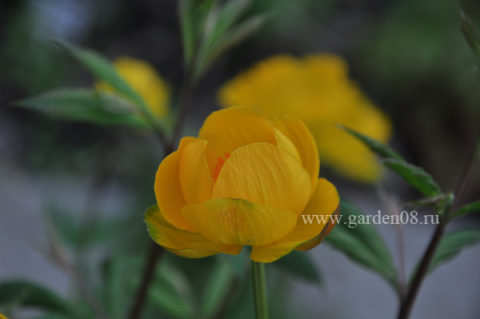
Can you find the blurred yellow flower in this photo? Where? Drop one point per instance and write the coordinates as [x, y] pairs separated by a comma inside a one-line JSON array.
[[143, 78], [2, 316], [245, 181], [317, 90]]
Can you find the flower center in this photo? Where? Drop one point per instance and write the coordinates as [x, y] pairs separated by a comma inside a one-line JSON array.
[[219, 165]]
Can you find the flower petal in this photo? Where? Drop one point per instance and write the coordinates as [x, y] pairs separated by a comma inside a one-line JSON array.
[[297, 132], [168, 190], [238, 222], [228, 129], [195, 177], [182, 242], [308, 228], [261, 173]]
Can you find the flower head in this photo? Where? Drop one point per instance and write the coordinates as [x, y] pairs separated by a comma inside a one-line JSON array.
[[245, 181], [143, 78], [317, 90]]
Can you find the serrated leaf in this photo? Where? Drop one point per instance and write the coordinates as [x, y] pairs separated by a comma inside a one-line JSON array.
[[85, 106], [362, 243], [299, 265], [217, 287], [32, 295], [467, 209], [374, 145], [103, 70], [471, 35], [415, 176], [452, 244]]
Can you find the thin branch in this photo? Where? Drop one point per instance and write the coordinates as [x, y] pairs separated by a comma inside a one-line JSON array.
[[148, 274], [420, 274]]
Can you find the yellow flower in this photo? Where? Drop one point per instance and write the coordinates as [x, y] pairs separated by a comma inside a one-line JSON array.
[[143, 78], [317, 90], [245, 181], [2, 316]]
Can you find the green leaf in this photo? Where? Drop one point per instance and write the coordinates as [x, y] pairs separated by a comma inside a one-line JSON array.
[[29, 294], [193, 15], [377, 147], [84, 105], [115, 289], [471, 35], [415, 176], [299, 265], [362, 243], [452, 244], [467, 209], [229, 39], [217, 287], [103, 70], [188, 30], [170, 293]]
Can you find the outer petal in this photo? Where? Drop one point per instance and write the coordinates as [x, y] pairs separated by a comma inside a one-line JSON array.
[[195, 177], [238, 222], [264, 174], [323, 203], [194, 253], [300, 135], [168, 190], [183, 243], [227, 130]]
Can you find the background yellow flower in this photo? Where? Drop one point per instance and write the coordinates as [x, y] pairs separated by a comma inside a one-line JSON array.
[[317, 90], [143, 78]]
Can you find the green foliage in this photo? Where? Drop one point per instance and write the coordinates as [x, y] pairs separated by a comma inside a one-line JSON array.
[[31, 295], [452, 244], [299, 265], [103, 70], [376, 147], [363, 244], [467, 209], [208, 30], [217, 287], [171, 293], [415, 176], [85, 106], [471, 35]]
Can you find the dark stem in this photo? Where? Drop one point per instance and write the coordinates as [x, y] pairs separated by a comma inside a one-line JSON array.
[[185, 95], [422, 270], [156, 251], [148, 273], [407, 302]]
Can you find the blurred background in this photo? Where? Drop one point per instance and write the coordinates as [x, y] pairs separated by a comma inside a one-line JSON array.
[[93, 183]]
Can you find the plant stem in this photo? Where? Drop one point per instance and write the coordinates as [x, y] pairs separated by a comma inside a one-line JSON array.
[[148, 273], [422, 270], [446, 213], [259, 290]]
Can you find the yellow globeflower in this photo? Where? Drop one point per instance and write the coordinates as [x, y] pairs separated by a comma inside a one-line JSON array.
[[317, 90], [143, 78], [247, 180]]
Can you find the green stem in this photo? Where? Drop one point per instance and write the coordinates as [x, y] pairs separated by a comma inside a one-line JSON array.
[[259, 290]]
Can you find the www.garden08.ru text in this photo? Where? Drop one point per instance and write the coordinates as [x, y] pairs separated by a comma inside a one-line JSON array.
[[352, 221]]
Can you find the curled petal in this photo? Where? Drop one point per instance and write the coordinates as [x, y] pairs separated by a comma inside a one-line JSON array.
[[297, 132], [229, 129], [183, 243], [261, 173], [238, 222], [195, 177], [309, 229]]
